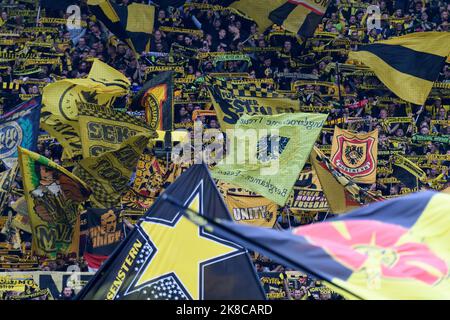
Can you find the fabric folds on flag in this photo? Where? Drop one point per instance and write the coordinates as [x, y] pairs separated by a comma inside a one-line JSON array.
[[109, 173], [407, 65], [298, 16], [156, 97], [278, 147], [342, 194], [53, 196], [391, 250], [60, 101], [132, 24]]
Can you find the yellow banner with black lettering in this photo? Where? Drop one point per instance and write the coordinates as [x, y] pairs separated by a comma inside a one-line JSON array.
[[103, 129], [60, 100], [109, 174], [250, 208], [230, 105]]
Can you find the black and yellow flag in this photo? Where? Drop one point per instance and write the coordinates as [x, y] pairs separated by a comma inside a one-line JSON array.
[[407, 65], [300, 16], [104, 129], [297, 16], [167, 257], [132, 24], [156, 97], [60, 100], [233, 101], [109, 173], [409, 173]]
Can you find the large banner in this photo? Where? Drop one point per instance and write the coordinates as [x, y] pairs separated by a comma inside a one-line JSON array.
[[54, 196], [103, 129], [230, 107], [355, 154], [19, 128], [281, 150], [166, 256], [110, 173], [61, 100]]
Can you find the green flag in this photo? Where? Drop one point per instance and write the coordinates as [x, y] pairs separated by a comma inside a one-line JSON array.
[[267, 153]]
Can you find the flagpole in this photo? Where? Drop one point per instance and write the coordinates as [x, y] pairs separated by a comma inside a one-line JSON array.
[[204, 220], [38, 15], [338, 77]]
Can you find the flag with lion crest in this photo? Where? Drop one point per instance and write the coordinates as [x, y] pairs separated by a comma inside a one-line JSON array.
[[355, 154]]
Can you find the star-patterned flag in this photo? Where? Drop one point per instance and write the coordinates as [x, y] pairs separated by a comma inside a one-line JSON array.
[[167, 257]]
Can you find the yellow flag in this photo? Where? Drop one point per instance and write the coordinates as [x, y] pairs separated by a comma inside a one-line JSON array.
[[110, 173], [60, 101], [355, 154], [53, 196]]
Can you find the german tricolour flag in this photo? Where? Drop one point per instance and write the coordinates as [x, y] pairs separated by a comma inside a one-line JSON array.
[[394, 249], [132, 24], [407, 65]]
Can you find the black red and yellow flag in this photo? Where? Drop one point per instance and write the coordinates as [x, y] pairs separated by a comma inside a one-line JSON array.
[[156, 97], [166, 257], [132, 24], [370, 253], [407, 65]]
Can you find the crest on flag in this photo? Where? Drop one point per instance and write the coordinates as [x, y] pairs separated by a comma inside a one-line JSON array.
[[270, 147], [355, 154]]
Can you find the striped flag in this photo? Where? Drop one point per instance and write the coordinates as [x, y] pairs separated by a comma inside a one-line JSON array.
[[297, 16], [300, 16], [132, 24], [407, 65], [395, 249]]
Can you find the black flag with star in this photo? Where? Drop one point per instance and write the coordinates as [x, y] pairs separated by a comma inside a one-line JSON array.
[[167, 257]]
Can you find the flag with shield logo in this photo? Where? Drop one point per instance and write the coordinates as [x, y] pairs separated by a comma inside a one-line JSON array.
[[355, 154]]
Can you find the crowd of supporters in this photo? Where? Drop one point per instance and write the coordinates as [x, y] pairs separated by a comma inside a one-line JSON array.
[[225, 31]]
